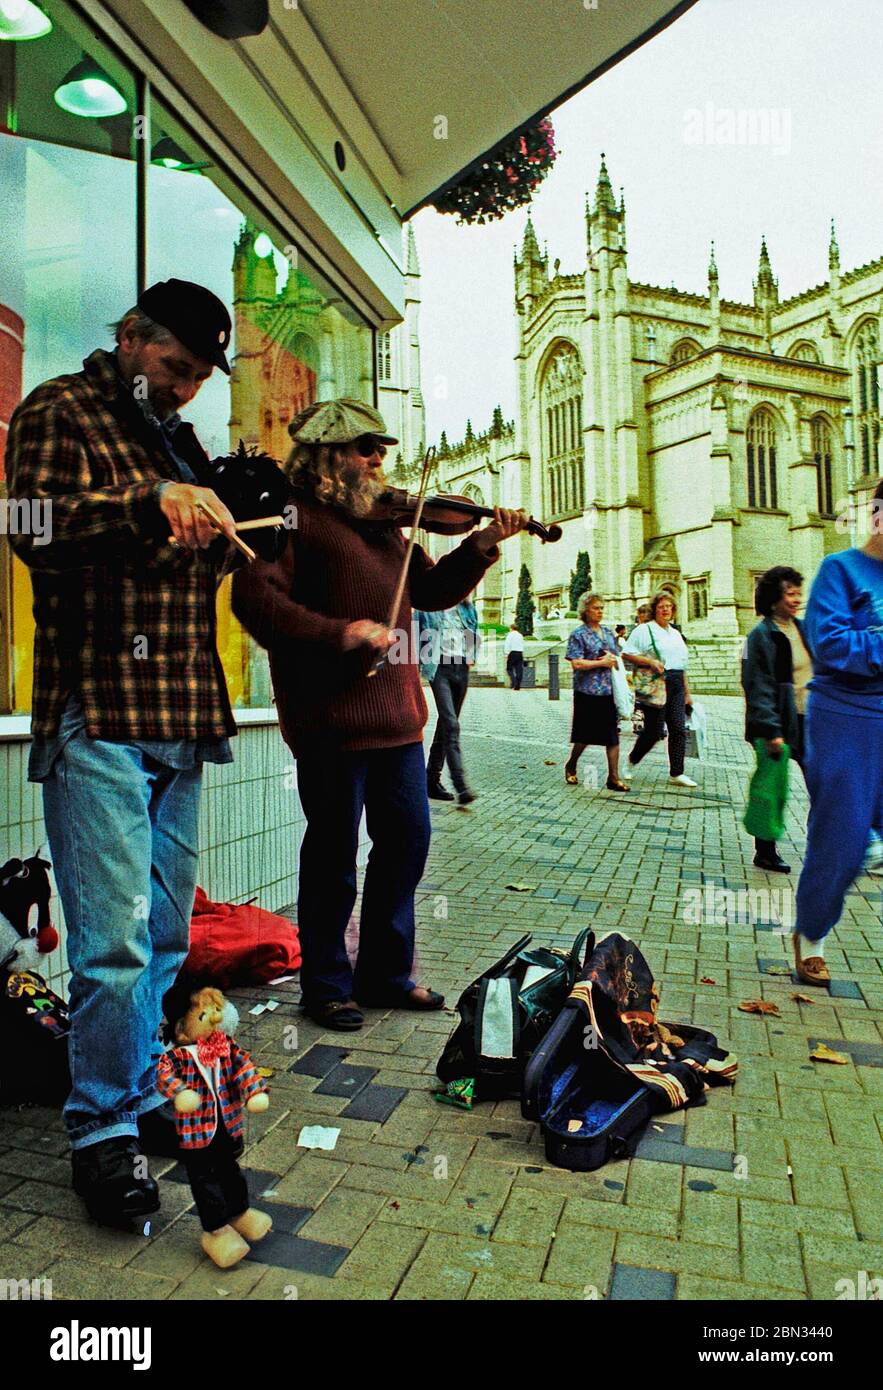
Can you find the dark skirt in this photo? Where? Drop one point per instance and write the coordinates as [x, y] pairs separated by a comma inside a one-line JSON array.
[[595, 720]]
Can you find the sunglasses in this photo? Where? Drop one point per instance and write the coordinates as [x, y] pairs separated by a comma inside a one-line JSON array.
[[366, 445]]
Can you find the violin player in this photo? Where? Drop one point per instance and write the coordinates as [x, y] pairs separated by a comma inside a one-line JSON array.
[[129, 701], [355, 728]]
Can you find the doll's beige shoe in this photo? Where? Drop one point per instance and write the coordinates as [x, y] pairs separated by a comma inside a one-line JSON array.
[[811, 970], [224, 1247], [252, 1224]]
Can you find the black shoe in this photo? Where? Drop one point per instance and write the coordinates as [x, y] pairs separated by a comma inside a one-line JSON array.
[[437, 792], [104, 1175], [343, 1015], [466, 797], [773, 863], [158, 1134]]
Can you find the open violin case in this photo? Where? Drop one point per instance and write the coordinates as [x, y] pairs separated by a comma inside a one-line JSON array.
[[607, 1064]]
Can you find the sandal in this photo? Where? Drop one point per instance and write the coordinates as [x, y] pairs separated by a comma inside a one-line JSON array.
[[343, 1015], [571, 778], [813, 970], [409, 1001], [616, 784]]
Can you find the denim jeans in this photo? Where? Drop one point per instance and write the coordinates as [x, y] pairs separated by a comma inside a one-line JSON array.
[[389, 784], [123, 837], [449, 686]]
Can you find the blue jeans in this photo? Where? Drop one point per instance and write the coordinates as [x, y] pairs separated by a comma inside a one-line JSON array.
[[123, 834], [843, 767], [389, 784]]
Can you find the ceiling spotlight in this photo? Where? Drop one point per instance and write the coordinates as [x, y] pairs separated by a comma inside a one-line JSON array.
[[20, 19], [86, 90], [171, 156]]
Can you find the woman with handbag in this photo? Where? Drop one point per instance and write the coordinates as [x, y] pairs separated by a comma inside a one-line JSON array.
[[593, 655], [659, 653]]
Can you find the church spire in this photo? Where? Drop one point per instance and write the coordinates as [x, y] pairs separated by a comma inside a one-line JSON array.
[[712, 268], [766, 288], [833, 250], [530, 247], [412, 264], [604, 199]]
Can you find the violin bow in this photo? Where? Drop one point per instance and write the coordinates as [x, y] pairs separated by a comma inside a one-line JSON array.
[[425, 474]]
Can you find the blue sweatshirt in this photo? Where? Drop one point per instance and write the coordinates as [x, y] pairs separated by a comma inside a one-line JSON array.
[[844, 627]]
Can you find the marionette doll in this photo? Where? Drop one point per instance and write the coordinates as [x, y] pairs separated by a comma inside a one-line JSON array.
[[210, 1079]]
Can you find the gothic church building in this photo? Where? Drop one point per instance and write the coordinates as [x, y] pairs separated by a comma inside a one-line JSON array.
[[685, 441]]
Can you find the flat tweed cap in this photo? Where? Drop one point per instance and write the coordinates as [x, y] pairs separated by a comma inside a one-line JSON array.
[[338, 422]]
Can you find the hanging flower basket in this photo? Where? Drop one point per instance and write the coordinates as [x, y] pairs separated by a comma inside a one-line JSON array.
[[505, 180]]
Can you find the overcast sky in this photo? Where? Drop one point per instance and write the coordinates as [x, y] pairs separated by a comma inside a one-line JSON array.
[[808, 70]]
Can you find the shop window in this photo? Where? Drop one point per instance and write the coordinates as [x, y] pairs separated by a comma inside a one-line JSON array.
[[69, 223]]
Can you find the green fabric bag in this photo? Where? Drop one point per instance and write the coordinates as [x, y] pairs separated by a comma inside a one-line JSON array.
[[767, 794]]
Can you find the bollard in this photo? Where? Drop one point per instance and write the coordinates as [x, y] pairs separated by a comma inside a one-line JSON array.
[[554, 688]]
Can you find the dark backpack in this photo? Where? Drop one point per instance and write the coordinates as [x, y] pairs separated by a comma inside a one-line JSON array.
[[506, 1012]]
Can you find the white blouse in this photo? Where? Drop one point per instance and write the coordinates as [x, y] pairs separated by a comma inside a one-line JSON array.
[[670, 645]]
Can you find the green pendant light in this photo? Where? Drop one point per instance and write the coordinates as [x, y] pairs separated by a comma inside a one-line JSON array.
[[20, 19], [86, 90]]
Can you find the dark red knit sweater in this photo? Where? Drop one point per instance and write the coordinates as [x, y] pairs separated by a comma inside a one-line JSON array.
[[335, 571]]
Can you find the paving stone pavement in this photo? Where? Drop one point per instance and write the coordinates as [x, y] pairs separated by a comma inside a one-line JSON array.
[[771, 1191]]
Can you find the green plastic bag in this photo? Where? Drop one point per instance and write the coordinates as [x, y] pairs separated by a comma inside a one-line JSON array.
[[767, 794]]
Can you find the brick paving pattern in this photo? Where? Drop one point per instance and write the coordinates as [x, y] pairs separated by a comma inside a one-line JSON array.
[[771, 1191]]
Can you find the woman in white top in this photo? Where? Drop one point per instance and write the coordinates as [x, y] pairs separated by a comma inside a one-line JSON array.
[[661, 647]]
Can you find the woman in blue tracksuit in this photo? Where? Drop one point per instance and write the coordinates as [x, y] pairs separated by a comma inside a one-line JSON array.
[[843, 759]]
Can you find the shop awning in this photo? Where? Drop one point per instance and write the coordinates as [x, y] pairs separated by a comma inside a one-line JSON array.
[[485, 66]]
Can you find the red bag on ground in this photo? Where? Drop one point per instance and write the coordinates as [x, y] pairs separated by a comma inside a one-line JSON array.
[[240, 945]]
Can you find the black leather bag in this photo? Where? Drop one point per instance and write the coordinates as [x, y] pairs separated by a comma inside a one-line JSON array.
[[506, 1012]]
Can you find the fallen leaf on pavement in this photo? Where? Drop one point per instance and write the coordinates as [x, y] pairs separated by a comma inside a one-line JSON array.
[[520, 887], [707, 980], [759, 1006], [265, 1071], [550, 762], [802, 999], [778, 970], [822, 1053]]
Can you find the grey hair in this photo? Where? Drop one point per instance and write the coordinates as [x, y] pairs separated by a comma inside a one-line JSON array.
[[585, 600], [146, 328]]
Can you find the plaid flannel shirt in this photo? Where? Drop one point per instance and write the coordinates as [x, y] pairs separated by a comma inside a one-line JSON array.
[[122, 616], [237, 1082]]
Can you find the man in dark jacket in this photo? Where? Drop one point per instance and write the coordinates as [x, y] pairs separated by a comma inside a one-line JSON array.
[[129, 699], [776, 666]]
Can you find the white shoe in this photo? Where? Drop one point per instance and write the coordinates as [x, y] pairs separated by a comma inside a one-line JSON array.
[[874, 858], [683, 781]]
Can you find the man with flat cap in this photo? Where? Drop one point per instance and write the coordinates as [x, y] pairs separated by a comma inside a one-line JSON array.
[[129, 701], [322, 610]]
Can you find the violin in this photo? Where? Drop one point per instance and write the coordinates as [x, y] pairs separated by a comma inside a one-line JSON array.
[[447, 515]]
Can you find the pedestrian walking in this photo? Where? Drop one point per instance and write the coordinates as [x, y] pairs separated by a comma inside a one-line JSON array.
[[843, 753], [593, 653], [448, 644], [513, 649], [659, 646], [776, 670], [620, 635]]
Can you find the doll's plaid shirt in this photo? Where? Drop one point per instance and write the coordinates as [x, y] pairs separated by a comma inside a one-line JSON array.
[[237, 1082], [121, 615]]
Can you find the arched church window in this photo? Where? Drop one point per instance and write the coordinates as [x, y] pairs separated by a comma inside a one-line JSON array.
[[866, 355], [804, 351], [821, 448], [761, 449], [684, 350], [384, 357], [561, 400]]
